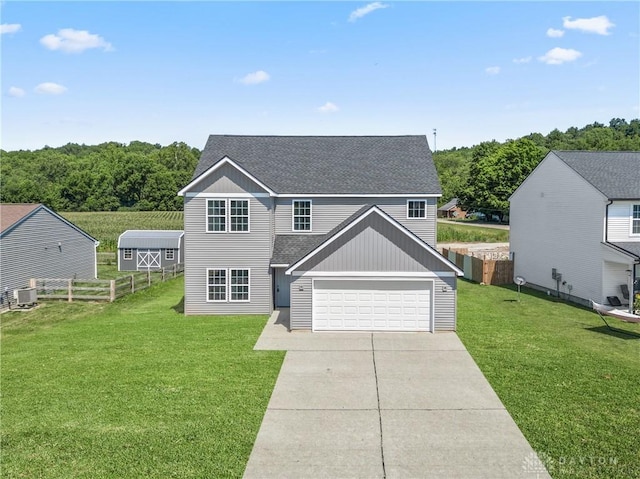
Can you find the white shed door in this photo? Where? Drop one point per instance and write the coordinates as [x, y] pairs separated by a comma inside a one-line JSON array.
[[371, 305], [148, 259]]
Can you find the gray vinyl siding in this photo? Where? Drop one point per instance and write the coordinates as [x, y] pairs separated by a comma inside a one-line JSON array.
[[228, 179], [301, 303], [329, 212], [445, 303], [30, 250], [250, 250], [373, 245], [557, 221]]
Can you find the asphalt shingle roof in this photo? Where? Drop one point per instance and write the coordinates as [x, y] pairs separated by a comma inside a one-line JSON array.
[[11, 213], [628, 246], [616, 174], [329, 164]]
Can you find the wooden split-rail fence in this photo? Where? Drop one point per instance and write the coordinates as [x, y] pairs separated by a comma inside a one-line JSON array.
[[101, 289]]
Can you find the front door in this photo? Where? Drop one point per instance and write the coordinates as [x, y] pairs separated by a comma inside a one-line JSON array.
[[283, 289], [148, 259]]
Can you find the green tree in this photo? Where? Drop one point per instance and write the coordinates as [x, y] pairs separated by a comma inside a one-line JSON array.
[[496, 174]]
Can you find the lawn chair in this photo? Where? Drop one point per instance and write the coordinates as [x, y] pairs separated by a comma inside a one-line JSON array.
[[620, 314], [625, 293]]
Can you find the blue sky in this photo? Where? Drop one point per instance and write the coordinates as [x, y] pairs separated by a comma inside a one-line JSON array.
[[89, 72]]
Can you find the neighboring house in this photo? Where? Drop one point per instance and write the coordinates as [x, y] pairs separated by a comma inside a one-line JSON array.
[[35, 242], [451, 210], [142, 250], [340, 229], [575, 224]]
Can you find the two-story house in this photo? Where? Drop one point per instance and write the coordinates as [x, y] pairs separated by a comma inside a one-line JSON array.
[[340, 229], [575, 225]]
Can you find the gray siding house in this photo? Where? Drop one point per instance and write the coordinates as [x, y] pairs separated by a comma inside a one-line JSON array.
[[575, 225], [142, 250], [35, 242], [341, 230]]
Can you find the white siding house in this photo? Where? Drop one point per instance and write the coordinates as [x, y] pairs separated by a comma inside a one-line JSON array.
[[574, 216]]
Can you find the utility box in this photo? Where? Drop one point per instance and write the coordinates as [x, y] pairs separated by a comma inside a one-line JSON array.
[[25, 296]]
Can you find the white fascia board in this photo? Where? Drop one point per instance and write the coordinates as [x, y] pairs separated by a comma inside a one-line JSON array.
[[355, 195], [274, 265], [378, 275], [225, 161], [375, 209]]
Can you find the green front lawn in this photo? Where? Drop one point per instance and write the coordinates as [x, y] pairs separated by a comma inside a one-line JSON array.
[[572, 386], [131, 389]]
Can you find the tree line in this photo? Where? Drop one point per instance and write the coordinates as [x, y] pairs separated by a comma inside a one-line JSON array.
[[484, 176], [106, 177], [143, 176]]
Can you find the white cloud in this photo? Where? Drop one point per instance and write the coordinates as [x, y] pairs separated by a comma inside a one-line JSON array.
[[49, 88], [74, 41], [599, 25], [557, 56], [367, 9], [17, 92], [10, 28], [553, 33], [522, 60], [328, 108], [255, 78], [492, 70]]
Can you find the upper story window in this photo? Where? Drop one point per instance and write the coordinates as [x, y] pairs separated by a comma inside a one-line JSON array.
[[301, 215], [416, 209], [635, 220], [227, 216]]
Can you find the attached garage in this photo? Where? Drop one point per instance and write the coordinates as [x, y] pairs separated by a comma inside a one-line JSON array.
[[372, 305]]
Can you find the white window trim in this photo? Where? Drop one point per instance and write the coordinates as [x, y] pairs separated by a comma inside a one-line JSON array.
[[166, 254], [632, 219], [226, 286], [248, 214], [248, 300], [417, 217], [125, 256], [227, 214], [310, 230]]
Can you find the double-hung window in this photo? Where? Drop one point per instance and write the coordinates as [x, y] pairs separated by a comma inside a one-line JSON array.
[[216, 285], [228, 285], [416, 209], [225, 215], [635, 220], [301, 210]]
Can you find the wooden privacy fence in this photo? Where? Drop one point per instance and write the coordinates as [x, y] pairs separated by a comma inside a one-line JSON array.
[[101, 289], [481, 270]]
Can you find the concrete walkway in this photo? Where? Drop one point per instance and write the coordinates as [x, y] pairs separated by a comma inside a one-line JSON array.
[[383, 405]]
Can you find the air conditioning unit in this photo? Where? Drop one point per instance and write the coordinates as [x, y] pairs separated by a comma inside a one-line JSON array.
[[25, 296]]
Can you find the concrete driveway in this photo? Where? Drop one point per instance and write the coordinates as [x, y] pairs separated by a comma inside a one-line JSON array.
[[383, 405]]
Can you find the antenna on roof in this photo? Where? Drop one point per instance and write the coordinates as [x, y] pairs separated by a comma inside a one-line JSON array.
[[434, 139]]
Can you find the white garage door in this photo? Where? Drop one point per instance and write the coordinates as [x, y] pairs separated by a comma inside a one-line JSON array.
[[370, 305]]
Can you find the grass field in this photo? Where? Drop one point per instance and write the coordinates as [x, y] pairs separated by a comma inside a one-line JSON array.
[[135, 389], [106, 226], [131, 389], [570, 384]]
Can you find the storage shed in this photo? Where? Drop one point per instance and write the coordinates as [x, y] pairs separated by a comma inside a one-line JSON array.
[[142, 250]]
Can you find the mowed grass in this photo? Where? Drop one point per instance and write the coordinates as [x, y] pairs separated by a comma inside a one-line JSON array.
[[106, 226], [131, 389], [449, 233], [571, 385]]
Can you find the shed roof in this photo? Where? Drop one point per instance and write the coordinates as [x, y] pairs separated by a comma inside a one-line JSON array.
[[329, 164], [616, 174], [450, 205], [154, 239]]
